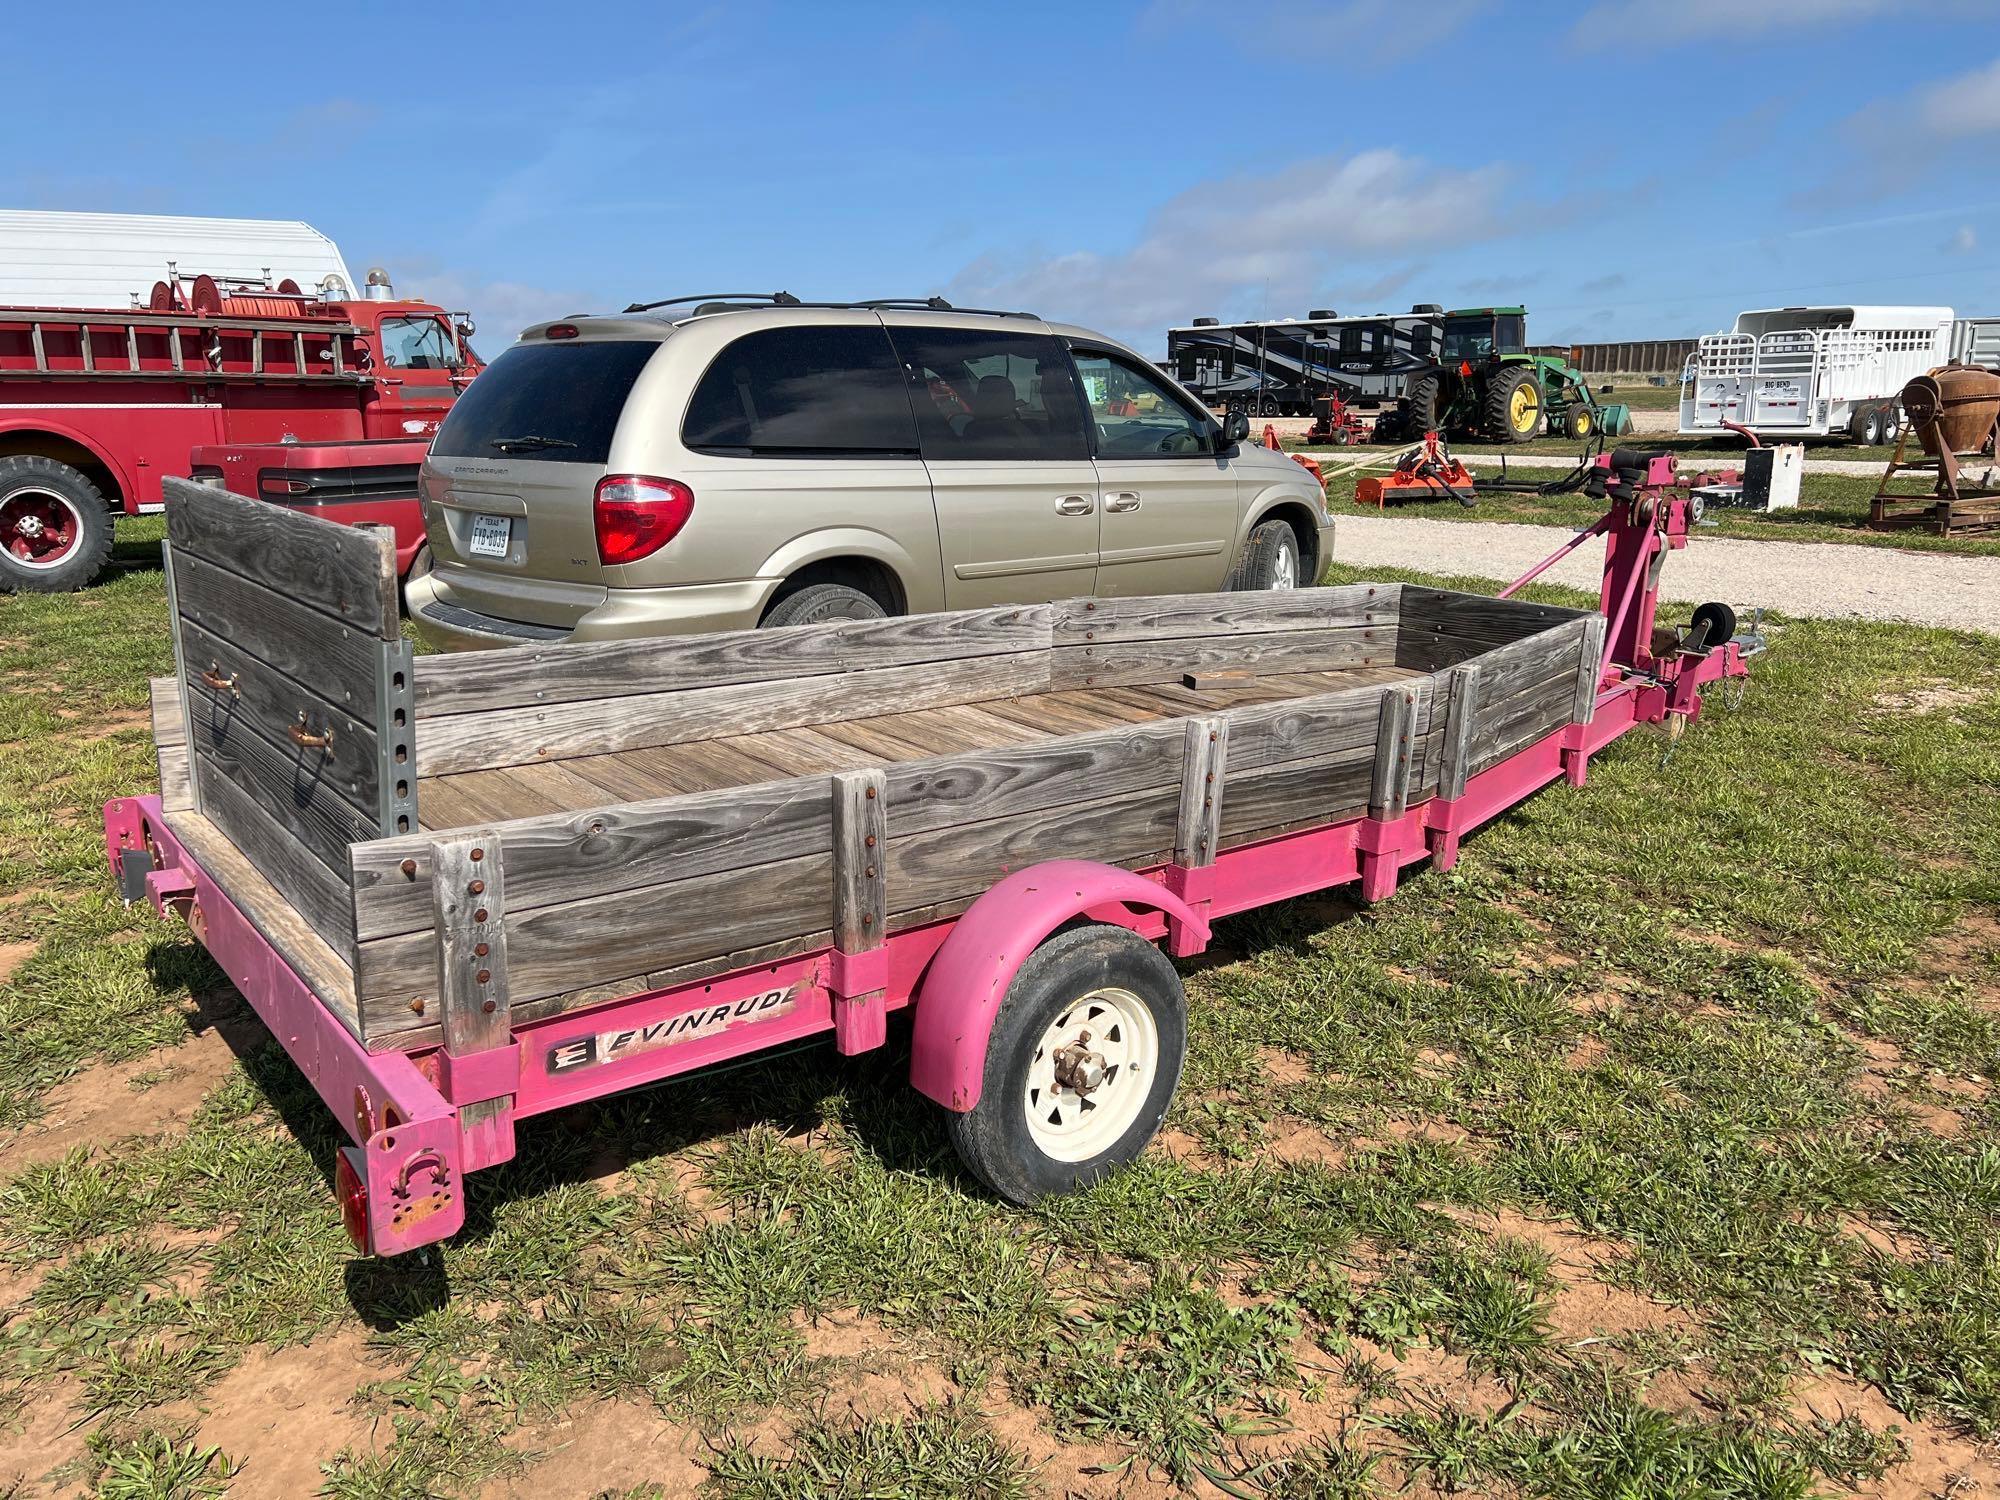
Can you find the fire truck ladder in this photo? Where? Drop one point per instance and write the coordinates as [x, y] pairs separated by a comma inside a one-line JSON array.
[[209, 362]]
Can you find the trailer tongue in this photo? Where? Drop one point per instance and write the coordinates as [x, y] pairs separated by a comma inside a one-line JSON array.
[[463, 891]]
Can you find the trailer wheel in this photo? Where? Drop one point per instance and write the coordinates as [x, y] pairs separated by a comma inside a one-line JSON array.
[[1085, 1054], [1871, 427], [55, 528]]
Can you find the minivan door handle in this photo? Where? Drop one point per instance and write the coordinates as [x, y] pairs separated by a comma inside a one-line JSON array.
[[1121, 501], [1075, 505]]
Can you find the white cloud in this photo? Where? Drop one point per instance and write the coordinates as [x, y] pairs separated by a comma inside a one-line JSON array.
[[1275, 240], [1966, 105], [1963, 241], [1621, 23]]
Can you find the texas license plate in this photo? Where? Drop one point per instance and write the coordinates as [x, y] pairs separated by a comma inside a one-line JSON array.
[[491, 535]]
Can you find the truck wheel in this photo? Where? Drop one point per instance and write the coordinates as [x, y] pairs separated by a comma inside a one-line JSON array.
[[1083, 1061], [55, 528], [817, 603], [1270, 559], [1513, 406]]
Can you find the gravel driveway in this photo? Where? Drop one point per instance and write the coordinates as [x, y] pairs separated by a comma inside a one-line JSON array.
[[1801, 578]]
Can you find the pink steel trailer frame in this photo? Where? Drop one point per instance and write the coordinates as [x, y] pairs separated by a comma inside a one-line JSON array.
[[421, 1119]]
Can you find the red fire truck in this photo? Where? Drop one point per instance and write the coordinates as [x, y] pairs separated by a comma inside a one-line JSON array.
[[323, 401]]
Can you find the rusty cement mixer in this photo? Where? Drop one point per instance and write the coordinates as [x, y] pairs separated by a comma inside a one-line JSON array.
[[1952, 409]]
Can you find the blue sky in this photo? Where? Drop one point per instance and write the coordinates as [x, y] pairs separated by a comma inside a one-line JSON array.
[[1627, 168]]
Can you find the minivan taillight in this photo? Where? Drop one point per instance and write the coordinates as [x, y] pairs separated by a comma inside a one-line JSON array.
[[637, 515]]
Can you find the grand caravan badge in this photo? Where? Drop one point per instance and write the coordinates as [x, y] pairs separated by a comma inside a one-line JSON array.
[[615, 1046]]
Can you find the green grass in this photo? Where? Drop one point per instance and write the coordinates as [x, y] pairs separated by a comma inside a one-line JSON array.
[[1559, 1174], [1831, 508]]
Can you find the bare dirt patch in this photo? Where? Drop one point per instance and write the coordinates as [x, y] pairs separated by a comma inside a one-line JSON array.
[[42, 1438], [281, 1415], [13, 956], [866, 1368], [1934, 696], [101, 1104], [1939, 1465], [601, 1448], [1283, 1068]]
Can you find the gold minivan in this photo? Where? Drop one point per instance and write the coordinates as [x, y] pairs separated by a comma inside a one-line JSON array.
[[682, 468]]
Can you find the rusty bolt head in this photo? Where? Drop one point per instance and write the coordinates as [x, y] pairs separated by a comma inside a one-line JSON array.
[[480, 915], [488, 1008], [871, 872], [478, 887], [479, 950], [869, 841], [483, 975], [417, 1005], [868, 919], [409, 868], [871, 794], [479, 854]]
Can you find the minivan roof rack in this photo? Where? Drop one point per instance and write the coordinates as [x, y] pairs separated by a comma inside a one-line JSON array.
[[723, 301]]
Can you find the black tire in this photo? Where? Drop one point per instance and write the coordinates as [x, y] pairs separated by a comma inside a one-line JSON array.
[[1340, 437], [1270, 559], [996, 1139], [817, 603], [1578, 422], [1871, 427], [1504, 421], [1419, 411], [39, 499]]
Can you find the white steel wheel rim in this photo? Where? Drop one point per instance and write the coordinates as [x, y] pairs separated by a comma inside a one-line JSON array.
[[25, 514], [1071, 1126], [1285, 575]]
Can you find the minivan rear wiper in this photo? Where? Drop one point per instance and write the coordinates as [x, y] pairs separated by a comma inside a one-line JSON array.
[[530, 441]]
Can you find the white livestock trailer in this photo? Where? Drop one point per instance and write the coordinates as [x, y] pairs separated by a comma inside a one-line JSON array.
[[1812, 371]]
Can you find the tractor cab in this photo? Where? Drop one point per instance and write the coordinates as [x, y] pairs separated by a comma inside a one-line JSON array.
[[1481, 334]]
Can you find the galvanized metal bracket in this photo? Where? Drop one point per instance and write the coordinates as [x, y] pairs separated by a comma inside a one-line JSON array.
[[396, 737]]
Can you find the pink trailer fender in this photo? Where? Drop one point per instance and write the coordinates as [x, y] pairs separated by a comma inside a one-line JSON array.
[[969, 977]]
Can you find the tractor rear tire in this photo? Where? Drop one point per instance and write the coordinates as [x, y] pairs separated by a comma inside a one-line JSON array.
[[55, 527], [1513, 405], [1419, 408]]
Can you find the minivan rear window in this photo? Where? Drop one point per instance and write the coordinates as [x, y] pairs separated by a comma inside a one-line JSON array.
[[814, 391], [557, 403]]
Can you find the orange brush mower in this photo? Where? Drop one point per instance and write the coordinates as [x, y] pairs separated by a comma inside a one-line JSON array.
[[1428, 472]]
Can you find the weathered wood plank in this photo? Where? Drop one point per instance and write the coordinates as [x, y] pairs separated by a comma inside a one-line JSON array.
[[298, 872], [1389, 785], [572, 673], [600, 851], [962, 859], [284, 781], [1298, 792], [1303, 728], [1118, 664], [170, 750], [346, 572], [1437, 628], [974, 788], [469, 902], [1459, 720], [276, 914], [263, 697], [1198, 825], [303, 644], [602, 940], [1589, 668], [1176, 615], [1507, 726], [860, 831], [473, 741]]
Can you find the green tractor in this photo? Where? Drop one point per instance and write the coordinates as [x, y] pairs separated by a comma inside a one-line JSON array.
[[1486, 384]]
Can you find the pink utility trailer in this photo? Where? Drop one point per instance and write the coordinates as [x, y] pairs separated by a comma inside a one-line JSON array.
[[463, 890]]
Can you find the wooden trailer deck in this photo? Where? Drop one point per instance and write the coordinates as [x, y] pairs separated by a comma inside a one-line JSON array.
[[640, 813], [471, 798]]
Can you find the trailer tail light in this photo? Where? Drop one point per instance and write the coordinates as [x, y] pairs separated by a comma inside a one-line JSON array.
[[352, 1191], [637, 515]]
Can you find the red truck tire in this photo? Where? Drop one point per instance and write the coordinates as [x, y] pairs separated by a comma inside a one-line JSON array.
[[55, 527]]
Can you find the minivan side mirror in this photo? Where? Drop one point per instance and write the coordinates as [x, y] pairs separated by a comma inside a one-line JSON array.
[[1235, 428]]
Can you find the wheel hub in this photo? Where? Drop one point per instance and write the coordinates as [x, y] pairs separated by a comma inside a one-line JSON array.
[[1078, 1069], [38, 529]]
